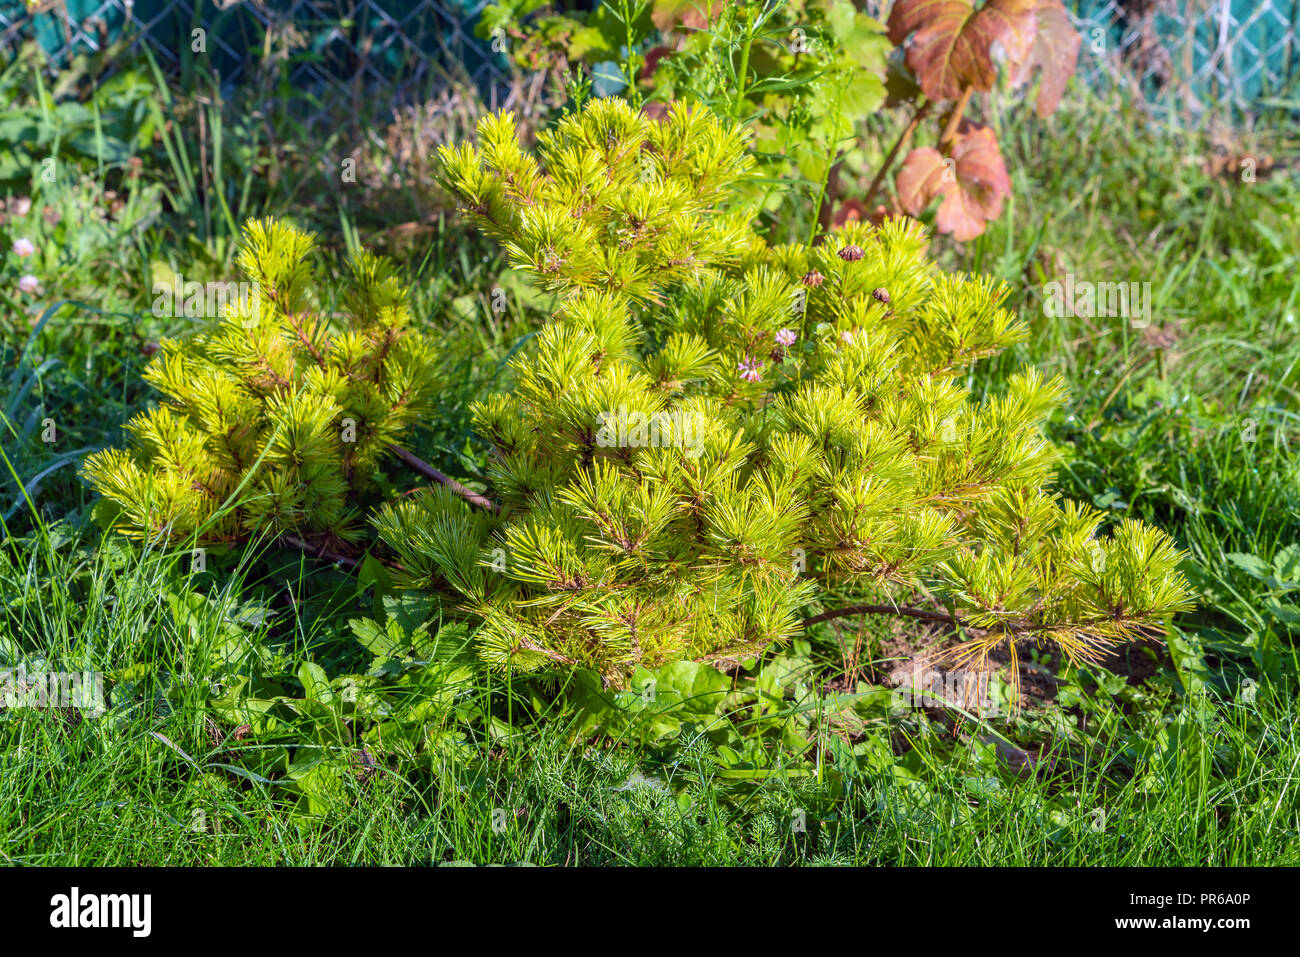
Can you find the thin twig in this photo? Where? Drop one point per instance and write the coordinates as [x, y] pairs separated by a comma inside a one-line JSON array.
[[954, 118], [1010, 629], [429, 472], [321, 553], [904, 138], [902, 610]]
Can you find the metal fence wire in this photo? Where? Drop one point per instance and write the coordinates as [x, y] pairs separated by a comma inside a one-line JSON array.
[[1194, 55]]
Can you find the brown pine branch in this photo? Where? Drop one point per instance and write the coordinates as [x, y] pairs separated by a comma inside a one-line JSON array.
[[322, 553], [849, 611], [429, 472], [302, 335], [1011, 629]]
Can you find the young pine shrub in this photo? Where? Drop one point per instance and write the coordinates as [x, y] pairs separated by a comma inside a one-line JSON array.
[[715, 437], [276, 422]]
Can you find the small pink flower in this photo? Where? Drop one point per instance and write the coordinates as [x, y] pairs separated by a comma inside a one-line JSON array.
[[29, 284], [749, 369], [23, 247], [786, 337], [846, 337], [20, 206]]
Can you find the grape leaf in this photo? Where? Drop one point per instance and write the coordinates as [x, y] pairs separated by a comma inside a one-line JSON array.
[[953, 43], [972, 180], [666, 14], [1055, 52]]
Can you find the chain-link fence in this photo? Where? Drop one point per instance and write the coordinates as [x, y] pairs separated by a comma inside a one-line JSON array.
[[329, 58], [1185, 54], [1193, 54]]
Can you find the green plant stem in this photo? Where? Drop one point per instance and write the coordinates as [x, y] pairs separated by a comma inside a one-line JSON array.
[[831, 179], [744, 67]]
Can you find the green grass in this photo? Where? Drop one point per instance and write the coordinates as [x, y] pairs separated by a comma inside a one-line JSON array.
[[1189, 754], [1146, 775]]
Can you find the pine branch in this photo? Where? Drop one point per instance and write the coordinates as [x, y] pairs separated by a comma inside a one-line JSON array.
[[317, 356], [429, 472], [904, 611], [1147, 630], [324, 554]]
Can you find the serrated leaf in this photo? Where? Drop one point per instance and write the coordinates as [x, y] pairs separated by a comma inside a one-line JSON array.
[[867, 46], [840, 16], [1286, 565], [1283, 611], [666, 14], [1252, 565], [972, 180], [380, 641], [952, 41], [863, 94], [411, 609], [451, 643], [1054, 53], [588, 42]]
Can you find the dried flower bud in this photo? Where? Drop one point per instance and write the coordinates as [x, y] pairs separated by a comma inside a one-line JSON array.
[[813, 279], [852, 253], [880, 294]]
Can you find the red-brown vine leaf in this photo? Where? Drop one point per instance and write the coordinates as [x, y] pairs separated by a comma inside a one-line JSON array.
[[666, 14], [1055, 52], [953, 43], [972, 180]]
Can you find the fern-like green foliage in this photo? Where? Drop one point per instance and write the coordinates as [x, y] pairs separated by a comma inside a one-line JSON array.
[[276, 421], [713, 435]]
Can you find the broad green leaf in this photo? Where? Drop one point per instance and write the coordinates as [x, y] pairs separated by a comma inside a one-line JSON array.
[[316, 685]]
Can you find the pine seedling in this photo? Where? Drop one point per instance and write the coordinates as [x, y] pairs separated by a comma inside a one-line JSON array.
[[714, 437], [276, 422]]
